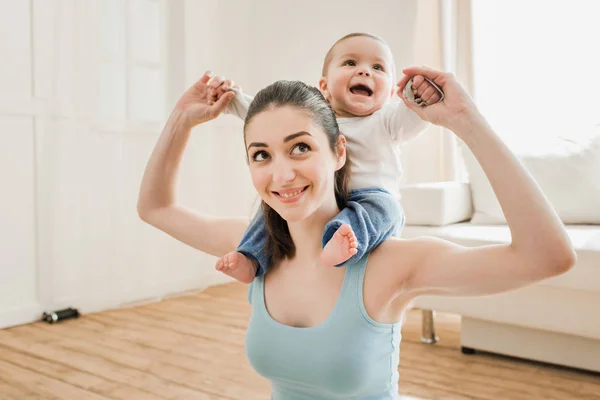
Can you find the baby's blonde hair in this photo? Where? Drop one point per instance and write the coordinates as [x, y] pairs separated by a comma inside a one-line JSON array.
[[329, 54]]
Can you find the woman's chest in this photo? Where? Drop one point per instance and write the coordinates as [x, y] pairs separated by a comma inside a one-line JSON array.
[[343, 354], [341, 359], [302, 300]]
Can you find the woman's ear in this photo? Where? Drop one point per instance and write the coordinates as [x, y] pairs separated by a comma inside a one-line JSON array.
[[341, 152], [323, 87]]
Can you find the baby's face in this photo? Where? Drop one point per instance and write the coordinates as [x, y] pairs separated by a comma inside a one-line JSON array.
[[359, 78]]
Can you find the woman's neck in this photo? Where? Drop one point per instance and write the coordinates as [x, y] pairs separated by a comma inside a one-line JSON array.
[[308, 233]]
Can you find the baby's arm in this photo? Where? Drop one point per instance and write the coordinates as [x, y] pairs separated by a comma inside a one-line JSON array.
[[240, 104], [373, 215]]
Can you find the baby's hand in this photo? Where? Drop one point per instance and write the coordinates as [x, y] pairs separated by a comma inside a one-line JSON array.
[[424, 91], [218, 86]]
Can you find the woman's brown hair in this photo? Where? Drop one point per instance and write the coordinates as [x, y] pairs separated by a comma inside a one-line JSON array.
[[308, 99]]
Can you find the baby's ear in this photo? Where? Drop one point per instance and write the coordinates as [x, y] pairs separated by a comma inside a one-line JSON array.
[[324, 88]]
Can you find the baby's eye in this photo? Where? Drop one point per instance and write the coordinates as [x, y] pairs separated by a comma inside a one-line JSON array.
[[351, 63], [300, 148], [378, 67], [260, 156]]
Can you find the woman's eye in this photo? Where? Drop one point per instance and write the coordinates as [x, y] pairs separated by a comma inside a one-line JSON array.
[[351, 63], [300, 148], [260, 156], [378, 67]]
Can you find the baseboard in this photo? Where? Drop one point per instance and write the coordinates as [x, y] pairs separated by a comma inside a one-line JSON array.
[[20, 315], [125, 297], [533, 344], [112, 300]]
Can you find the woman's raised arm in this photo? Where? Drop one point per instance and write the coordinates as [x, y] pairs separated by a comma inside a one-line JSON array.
[[157, 202], [540, 247]]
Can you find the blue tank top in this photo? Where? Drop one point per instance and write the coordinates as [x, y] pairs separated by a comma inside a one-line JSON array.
[[348, 356]]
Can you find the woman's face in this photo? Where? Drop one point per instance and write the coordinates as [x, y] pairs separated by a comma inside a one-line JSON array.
[[291, 163]]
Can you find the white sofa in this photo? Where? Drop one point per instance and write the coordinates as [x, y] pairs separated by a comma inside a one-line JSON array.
[[556, 320]]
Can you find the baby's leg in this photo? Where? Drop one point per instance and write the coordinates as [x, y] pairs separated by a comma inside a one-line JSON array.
[[250, 259], [372, 214]]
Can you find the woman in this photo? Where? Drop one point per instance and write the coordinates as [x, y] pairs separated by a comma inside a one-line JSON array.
[[323, 333]]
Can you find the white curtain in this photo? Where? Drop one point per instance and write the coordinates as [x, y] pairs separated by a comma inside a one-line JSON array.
[[442, 41]]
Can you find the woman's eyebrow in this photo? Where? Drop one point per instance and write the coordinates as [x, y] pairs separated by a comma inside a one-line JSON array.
[[295, 135], [285, 140], [257, 144]]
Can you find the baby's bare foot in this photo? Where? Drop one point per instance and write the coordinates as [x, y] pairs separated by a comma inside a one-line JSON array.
[[238, 266], [341, 247]]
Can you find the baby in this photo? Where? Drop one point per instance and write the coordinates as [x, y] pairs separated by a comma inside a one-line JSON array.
[[358, 82]]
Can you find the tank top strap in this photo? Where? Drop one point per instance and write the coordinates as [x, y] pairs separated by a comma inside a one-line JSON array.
[[351, 295]]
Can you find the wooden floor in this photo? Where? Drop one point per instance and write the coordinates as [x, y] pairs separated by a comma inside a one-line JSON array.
[[192, 347]]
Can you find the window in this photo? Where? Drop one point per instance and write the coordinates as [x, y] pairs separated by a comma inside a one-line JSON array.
[[132, 82], [536, 67]]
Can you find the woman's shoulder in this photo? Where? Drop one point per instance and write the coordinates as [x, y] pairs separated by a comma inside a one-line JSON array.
[[395, 251], [392, 263], [398, 250]]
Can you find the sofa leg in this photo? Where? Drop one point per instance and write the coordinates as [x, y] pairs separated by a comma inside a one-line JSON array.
[[428, 328], [467, 350]]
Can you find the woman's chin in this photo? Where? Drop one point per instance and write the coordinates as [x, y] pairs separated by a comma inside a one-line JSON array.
[[291, 216]]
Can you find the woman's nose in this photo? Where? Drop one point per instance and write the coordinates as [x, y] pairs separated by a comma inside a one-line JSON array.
[[283, 172]]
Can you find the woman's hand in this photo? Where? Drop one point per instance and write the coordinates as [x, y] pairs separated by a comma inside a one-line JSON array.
[[220, 86], [456, 107], [198, 103]]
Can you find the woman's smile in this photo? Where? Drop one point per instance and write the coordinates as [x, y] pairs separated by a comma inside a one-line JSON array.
[[290, 195]]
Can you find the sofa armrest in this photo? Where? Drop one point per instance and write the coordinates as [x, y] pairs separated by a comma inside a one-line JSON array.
[[437, 203]]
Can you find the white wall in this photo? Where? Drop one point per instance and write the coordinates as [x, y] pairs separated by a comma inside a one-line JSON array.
[[256, 42], [73, 144], [73, 147]]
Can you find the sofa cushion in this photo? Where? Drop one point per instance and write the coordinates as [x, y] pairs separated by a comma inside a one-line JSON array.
[[437, 204], [585, 238], [567, 170]]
